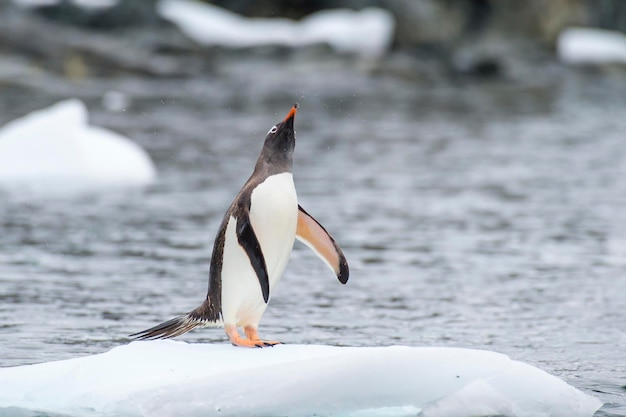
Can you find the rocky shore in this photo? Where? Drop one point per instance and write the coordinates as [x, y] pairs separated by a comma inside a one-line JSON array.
[[432, 39]]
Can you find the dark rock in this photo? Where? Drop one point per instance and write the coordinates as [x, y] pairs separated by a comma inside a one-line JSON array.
[[486, 39], [607, 14], [118, 15], [294, 9], [76, 53]]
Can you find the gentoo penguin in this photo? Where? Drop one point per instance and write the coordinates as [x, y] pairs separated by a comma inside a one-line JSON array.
[[253, 246]]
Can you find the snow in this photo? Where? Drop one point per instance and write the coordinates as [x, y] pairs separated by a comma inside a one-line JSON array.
[[591, 46], [54, 149], [172, 378], [367, 32]]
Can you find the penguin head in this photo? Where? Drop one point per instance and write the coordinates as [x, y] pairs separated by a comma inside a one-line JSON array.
[[279, 144]]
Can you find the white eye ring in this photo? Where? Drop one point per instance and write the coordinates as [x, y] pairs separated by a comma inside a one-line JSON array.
[[272, 130]]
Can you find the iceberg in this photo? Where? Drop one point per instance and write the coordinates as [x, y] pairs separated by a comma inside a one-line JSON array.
[[368, 32], [54, 149], [171, 378], [591, 46]]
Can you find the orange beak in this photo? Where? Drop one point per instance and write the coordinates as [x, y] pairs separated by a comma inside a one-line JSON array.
[[292, 112]]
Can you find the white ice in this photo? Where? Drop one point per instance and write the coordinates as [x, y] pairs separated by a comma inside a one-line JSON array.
[[591, 46], [55, 149], [367, 32], [171, 378]]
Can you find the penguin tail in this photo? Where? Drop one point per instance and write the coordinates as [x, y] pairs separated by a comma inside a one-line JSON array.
[[203, 316]]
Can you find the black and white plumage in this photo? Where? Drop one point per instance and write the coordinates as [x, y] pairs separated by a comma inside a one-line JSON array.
[[253, 246]]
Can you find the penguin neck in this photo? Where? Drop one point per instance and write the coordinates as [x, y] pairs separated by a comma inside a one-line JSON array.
[[275, 159]]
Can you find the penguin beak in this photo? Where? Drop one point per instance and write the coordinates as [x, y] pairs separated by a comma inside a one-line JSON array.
[[291, 115]]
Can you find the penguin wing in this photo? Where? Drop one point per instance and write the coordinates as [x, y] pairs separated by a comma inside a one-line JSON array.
[[313, 234], [249, 242]]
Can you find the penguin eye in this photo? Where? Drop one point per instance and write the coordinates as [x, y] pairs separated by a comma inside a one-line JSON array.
[[272, 130]]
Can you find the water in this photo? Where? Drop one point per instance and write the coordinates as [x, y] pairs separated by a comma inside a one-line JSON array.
[[485, 215]]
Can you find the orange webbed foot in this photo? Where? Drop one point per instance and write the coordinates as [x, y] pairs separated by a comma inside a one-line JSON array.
[[252, 334], [253, 339]]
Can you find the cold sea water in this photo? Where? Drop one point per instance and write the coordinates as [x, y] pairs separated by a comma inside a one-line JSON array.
[[487, 215]]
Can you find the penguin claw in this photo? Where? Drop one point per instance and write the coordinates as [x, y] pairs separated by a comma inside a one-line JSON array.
[[254, 343], [266, 343]]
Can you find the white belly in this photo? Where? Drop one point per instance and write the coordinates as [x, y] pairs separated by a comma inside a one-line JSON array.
[[274, 217]]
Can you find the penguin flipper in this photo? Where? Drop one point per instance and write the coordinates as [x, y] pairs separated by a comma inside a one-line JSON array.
[[249, 242], [312, 233]]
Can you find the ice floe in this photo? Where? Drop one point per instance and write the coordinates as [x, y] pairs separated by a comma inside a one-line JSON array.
[[55, 150], [367, 32], [172, 378], [591, 46]]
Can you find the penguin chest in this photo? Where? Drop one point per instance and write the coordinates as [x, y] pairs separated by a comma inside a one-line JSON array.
[[274, 218], [273, 215]]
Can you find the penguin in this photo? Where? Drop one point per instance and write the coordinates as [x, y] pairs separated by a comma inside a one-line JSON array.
[[253, 245]]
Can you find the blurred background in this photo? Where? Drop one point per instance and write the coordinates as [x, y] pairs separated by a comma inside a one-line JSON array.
[[468, 155]]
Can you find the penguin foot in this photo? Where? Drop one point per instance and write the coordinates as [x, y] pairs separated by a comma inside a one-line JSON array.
[[258, 343], [247, 343], [252, 334], [253, 339]]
